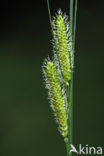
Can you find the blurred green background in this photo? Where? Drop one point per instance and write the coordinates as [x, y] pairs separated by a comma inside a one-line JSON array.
[[27, 126]]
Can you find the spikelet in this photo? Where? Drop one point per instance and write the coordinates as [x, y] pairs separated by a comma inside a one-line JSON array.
[[63, 45], [56, 96]]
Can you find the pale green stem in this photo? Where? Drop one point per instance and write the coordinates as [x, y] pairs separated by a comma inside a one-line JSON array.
[[75, 20], [71, 18], [73, 36], [70, 90], [70, 115], [50, 18]]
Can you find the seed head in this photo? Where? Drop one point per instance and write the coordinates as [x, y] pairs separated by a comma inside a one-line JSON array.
[[63, 45], [56, 97]]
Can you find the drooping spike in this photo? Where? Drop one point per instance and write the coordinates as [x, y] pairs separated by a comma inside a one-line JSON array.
[[56, 97], [63, 45]]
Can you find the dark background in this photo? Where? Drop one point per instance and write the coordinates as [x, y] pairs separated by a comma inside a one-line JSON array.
[[27, 125]]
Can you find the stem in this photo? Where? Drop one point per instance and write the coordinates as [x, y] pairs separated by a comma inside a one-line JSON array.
[[67, 149], [49, 13], [71, 16], [73, 36], [70, 89], [70, 115], [50, 19], [75, 20], [71, 19]]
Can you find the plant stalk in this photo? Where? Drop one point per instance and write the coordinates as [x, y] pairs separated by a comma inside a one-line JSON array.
[[72, 26], [75, 21], [70, 94], [71, 19], [73, 36], [49, 13]]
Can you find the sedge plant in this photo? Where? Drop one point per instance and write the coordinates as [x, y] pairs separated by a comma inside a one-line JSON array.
[[58, 71]]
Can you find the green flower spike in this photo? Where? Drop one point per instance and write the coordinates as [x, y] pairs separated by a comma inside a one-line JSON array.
[[56, 97], [62, 45]]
